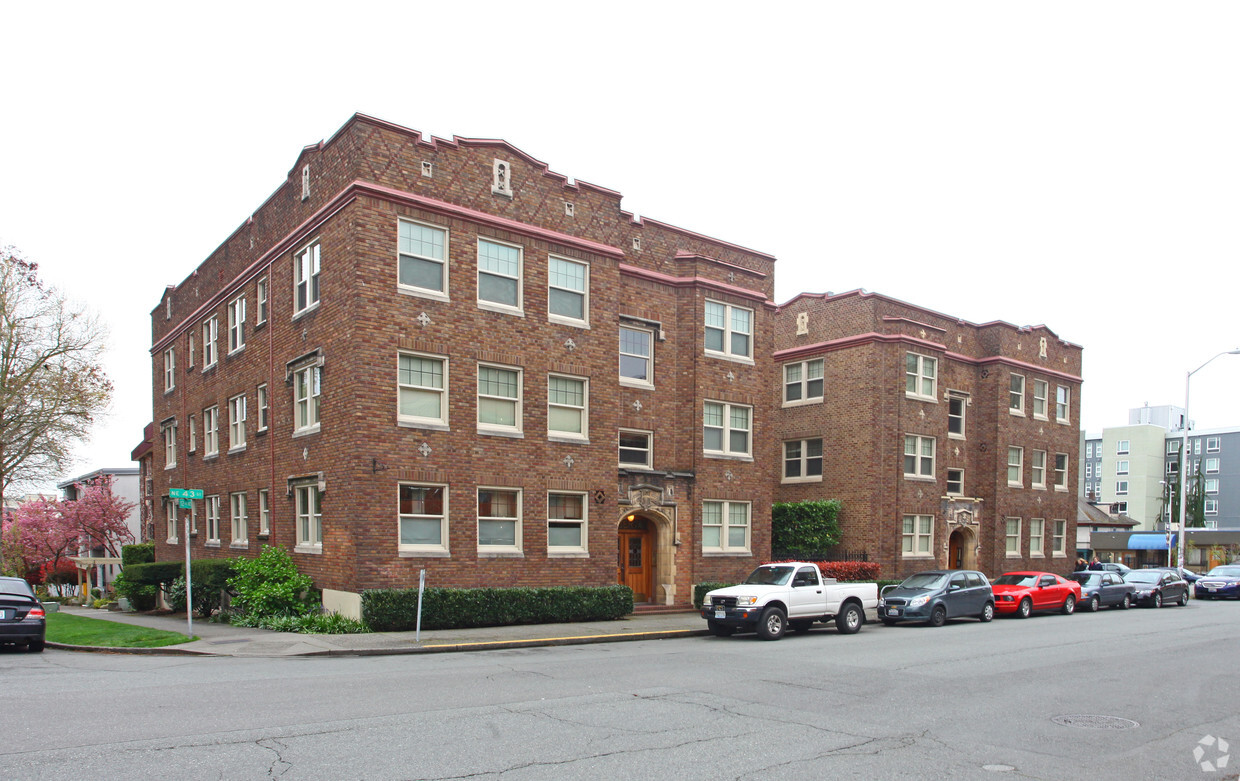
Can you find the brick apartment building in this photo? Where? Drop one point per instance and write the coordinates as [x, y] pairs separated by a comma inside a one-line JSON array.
[[438, 354], [950, 444]]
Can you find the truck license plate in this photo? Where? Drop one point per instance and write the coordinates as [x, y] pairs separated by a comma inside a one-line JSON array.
[[719, 614]]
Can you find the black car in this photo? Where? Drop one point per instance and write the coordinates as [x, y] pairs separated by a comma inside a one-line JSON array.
[[1103, 589], [1155, 587], [22, 620], [936, 596]]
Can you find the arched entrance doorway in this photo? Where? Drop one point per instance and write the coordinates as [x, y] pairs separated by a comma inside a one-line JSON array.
[[635, 556], [962, 549]]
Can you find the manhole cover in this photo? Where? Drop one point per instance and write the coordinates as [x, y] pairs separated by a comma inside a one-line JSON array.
[[1095, 722]]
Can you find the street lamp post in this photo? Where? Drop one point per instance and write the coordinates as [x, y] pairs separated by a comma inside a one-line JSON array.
[[1183, 531]]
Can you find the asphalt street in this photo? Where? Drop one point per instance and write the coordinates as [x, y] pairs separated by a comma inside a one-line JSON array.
[[1114, 695]]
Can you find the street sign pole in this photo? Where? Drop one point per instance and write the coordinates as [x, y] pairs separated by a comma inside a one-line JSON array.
[[185, 495]]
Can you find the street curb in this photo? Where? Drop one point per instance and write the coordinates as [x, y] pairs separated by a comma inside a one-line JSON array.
[[103, 649]]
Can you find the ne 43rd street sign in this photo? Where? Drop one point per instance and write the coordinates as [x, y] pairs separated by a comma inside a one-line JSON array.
[[184, 493]]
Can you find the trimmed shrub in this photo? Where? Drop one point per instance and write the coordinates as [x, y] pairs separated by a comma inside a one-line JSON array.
[[138, 553], [805, 530], [396, 610], [155, 573], [844, 571], [700, 589], [269, 584], [141, 596], [310, 624]]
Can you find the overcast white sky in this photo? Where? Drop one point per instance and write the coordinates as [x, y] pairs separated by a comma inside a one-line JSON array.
[[1069, 163]]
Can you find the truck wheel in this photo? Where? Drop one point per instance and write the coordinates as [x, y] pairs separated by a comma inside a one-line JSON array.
[[849, 620], [988, 613], [938, 616], [720, 630], [800, 626], [772, 624]]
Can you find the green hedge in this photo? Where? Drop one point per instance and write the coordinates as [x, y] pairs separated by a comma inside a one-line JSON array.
[[803, 530], [700, 589], [154, 573], [396, 610], [138, 553]]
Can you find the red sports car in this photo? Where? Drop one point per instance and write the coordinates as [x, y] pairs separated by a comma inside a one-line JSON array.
[[1024, 592]]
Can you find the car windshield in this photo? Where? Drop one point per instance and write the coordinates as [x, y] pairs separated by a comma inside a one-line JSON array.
[[1016, 580], [1226, 572], [17, 587], [1086, 577], [1143, 576], [769, 576], [924, 580]]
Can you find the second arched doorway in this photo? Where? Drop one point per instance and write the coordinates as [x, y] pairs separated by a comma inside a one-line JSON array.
[[962, 549]]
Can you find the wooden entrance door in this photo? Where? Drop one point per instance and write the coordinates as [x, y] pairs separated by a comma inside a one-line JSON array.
[[955, 550], [635, 558]]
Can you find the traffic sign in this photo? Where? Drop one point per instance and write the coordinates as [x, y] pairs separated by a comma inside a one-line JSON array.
[[185, 504], [184, 493]]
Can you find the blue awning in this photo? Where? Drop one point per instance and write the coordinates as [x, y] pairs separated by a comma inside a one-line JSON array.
[[1156, 541]]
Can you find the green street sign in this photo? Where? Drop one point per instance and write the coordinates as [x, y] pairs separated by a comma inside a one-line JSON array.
[[184, 493], [185, 504]]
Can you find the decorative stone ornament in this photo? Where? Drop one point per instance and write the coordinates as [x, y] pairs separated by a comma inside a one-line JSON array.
[[1042, 347], [424, 449], [423, 319], [501, 177], [802, 323]]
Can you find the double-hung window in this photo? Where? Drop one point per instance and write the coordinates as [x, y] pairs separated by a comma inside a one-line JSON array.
[[957, 409], [499, 275], [240, 519], [264, 409], [1058, 535], [802, 460], [170, 369], [729, 330], [236, 423], [726, 428], [1037, 466], [1061, 471], [917, 535], [636, 356], [803, 381], [423, 518], [210, 332], [499, 520], [309, 508], [261, 300], [955, 482], [1037, 537], [307, 388], [919, 456], [422, 252], [190, 351], [1016, 394], [566, 522], [306, 267], [1063, 403], [1039, 399], [170, 444], [193, 434], [422, 383], [210, 432], [920, 376], [1012, 536], [236, 325], [1212, 465], [567, 407], [1015, 467], [264, 512], [213, 520], [568, 291], [635, 448], [725, 527], [172, 522], [499, 399]]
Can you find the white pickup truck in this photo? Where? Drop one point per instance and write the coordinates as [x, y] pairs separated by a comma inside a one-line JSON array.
[[789, 594]]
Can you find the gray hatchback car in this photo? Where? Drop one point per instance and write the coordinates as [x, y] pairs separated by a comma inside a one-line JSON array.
[[936, 596]]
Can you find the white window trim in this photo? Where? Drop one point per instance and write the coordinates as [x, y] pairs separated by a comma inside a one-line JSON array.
[[237, 414], [1122, 446], [1018, 394], [173, 522], [584, 320], [518, 529], [210, 343], [1212, 465], [1040, 551], [170, 445], [916, 536], [1019, 528], [1034, 469], [1043, 398], [953, 396], [1214, 444], [313, 543], [211, 431], [633, 382], [1067, 404], [949, 481], [516, 430], [917, 473], [236, 325], [313, 402], [570, 436], [213, 520], [189, 352], [1059, 538], [413, 421], [193, 435], [921, 377], [170, 370], [264, 408], [239, 522], [649, 464], [803, 383], [262, 302], [313, 251], [1020, 467], [1211, 506], [803, 459], [1121, 491], [264, 512], [724, 547], [570, 551], [423, 550], [1123, 466], [727, 354], [726, 438], [494, 306], [414, 290]]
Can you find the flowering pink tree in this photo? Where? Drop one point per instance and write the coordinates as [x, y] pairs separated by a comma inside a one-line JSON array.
[[39, 534], [99, 516]]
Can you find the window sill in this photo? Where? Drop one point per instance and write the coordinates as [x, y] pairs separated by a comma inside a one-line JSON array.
[[305, 432], [235, 352], [1015, 485], [728, 457], [570, 322], [1036, 416], [741, 359], [920, 556], [568, 440], [1062, 422], [960, 437], [919, 478], [264, 535], [1037, 555], [307, 311], [173, 541], [426, 426], [211, 544], [168, 391], [501, 555], [802, 402], [502, 309], [211, 456], [314, 549], [430, 295], [722, 554], [237, 449], [1059, 555], [490, 432], [638, 384], [919, 397], [1017, 412], [170, 467], [568, 555], [1036, 487], [423, 554], [795, 480], [1013, 555], [243, 545]]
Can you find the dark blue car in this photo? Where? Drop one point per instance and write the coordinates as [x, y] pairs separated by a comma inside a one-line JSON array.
[[1102, 588], [1221, 583], [936, 596]]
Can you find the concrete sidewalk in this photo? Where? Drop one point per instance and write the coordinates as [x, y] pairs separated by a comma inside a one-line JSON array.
[[226, 640]]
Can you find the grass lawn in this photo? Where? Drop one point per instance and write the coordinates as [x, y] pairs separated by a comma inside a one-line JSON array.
[[80, 630]]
